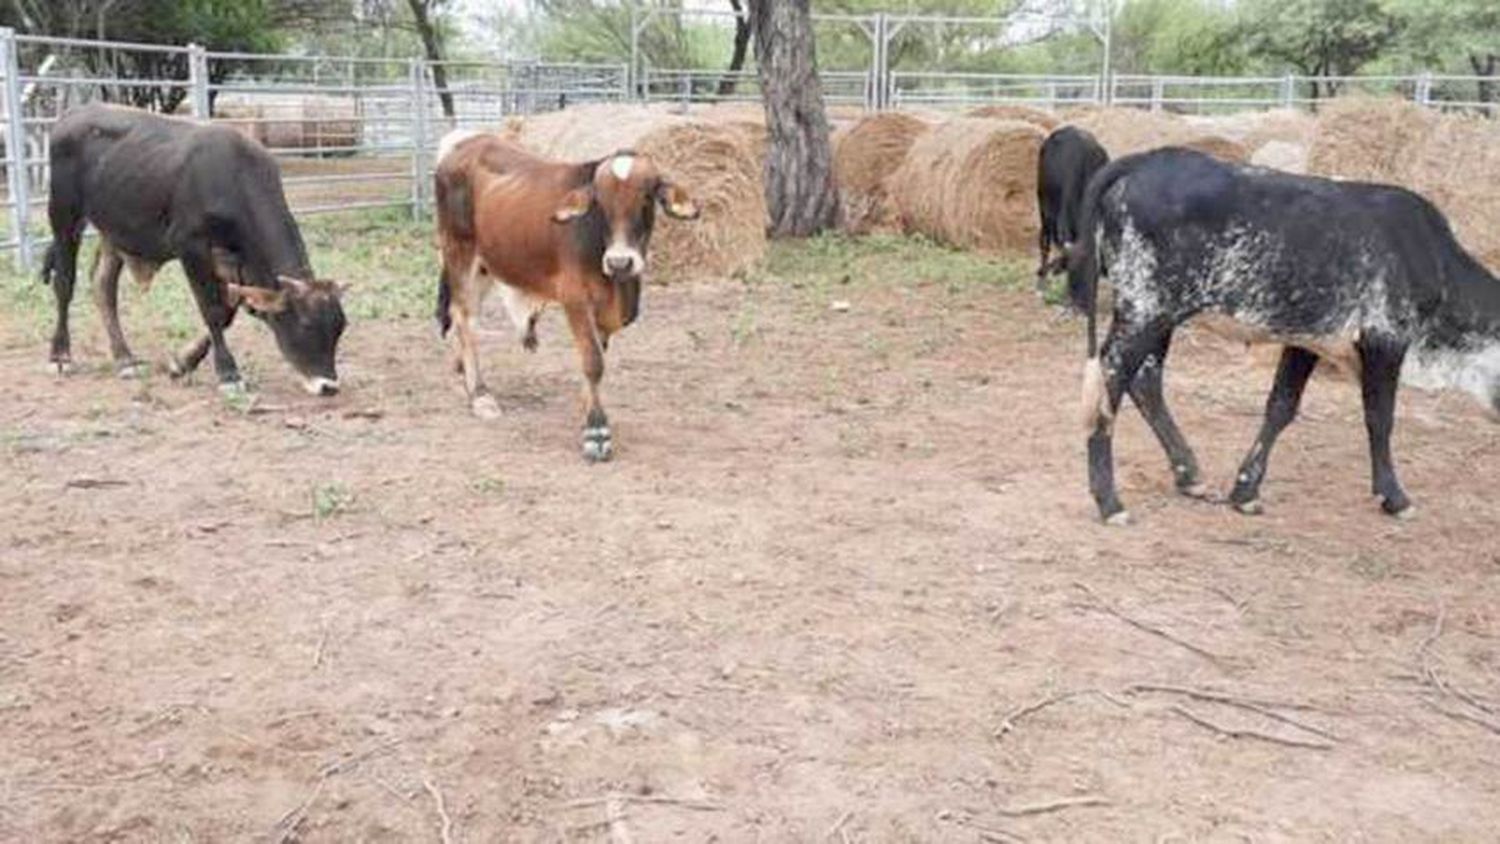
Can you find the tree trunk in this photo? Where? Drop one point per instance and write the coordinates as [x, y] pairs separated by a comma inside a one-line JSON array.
[[434, 50], [800, 192], [741, 46], [1485, 67]]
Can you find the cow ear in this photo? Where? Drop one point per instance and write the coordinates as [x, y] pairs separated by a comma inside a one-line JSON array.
[[573, 206], [297, 286], [676, 202], [258, 299]]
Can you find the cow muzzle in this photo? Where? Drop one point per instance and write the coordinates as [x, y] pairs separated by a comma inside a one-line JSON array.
[[317, 385], [622, 263]]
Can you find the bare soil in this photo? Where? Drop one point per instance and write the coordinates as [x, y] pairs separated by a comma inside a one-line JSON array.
[[835, 555]]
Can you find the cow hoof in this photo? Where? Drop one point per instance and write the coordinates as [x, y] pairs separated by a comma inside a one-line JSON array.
[[1406, 513], [129, 370], [485, 407], [232, 390], [60, 367], [1120, 519], [1250, 508], [176, 368], [598, 445], [528, 342]]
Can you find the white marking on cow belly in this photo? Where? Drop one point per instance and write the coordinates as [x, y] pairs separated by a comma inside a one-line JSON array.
[[520, 305], [621, 166], [1476, 371], [1132, 272]]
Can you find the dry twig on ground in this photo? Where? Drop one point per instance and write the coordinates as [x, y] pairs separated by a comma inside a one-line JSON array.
[[1145, 627], [445, 831], [1237, 732]]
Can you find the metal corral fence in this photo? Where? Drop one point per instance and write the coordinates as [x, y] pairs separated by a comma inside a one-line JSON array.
[[358, 133], [349, 133]]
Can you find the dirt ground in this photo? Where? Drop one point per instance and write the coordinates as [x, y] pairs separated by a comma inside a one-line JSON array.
[[842, 582]]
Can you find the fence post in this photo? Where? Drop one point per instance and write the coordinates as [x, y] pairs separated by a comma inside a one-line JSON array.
[[418, 137], [1158, 93], [1288, 91], [198, 81], [17, 173], [1424, 89]]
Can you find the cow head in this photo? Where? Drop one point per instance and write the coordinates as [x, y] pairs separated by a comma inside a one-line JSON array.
[[307, 320], [621, 198]]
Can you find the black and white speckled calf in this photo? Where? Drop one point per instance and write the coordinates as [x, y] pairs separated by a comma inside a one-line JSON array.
[[1366, 275]]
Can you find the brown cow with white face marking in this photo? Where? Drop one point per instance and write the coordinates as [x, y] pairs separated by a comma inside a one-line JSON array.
[[545, 231]]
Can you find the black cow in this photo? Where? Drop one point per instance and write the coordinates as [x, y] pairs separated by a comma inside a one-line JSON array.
[[159, 188], [1069, 158], [1364, 274]]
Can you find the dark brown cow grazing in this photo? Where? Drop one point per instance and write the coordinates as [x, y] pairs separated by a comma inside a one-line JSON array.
[[573, 234]]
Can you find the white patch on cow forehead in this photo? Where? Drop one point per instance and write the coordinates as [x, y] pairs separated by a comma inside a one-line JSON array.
[[621, 165]]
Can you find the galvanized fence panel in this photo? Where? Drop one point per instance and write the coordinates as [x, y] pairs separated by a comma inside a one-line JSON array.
[[359, 132]]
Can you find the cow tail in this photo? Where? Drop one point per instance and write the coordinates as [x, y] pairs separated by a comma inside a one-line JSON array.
[[455, 218], [443, 312], [1084, 269]]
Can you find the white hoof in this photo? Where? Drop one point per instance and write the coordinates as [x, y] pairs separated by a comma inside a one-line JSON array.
[[60, 367], [1120, 519], [232, 389], [1408, 514], [1198, 490], [131, 370], [485, 407], [598, 445], [1250, 508]]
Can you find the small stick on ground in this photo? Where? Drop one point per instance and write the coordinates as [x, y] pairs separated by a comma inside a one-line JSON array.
[[838, 827], [1460, 715], [1151, 628], [1052, 806], [687, 803], [990, 834], [614, 812], [1234, 732], [1259, 707], [286, 828], [94, 483], [1430, 676], [1008, 723], [445, 831], [322, 644]]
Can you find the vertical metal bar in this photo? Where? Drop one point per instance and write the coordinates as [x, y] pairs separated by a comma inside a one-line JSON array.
[[1106, 64], [1158, 92], [1288, 90], [635, 48], [418, 137], [198, 81], [1424, 89], [17, 173]]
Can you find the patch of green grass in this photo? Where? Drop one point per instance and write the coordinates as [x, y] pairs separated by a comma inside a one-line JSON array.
[[829, 262], [389, 260], [489, 485], [330, 499]]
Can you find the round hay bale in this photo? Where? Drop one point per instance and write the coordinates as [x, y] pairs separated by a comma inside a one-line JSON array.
[[971, 182], [748, 119], [1453, 161], [1125, 131], [865, 155], [712, 161], [1281, 155], [1046, 121]]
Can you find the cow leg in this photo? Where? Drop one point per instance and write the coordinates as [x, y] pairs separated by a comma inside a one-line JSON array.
[[185, 361], [481, 403], [598, 442], [217, 315], [1147, 393], [1380, 372], [1044, 243], [1292, 372], [107, 267], [62, 260], [1105, 381]]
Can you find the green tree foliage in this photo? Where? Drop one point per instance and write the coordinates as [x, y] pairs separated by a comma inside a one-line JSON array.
[[1189, 37], [1456, 36], [1318, 37]]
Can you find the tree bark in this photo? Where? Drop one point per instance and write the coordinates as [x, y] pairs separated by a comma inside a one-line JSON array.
[[800, 192], [433, 47], [741, 46]]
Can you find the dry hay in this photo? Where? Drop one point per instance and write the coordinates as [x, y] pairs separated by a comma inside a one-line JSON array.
[[971, 182], [712, 161], [1044, 120], [1453, 161], [865, 155], [293, 122], [1281, 155], [1124, 131], [748, 119]]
